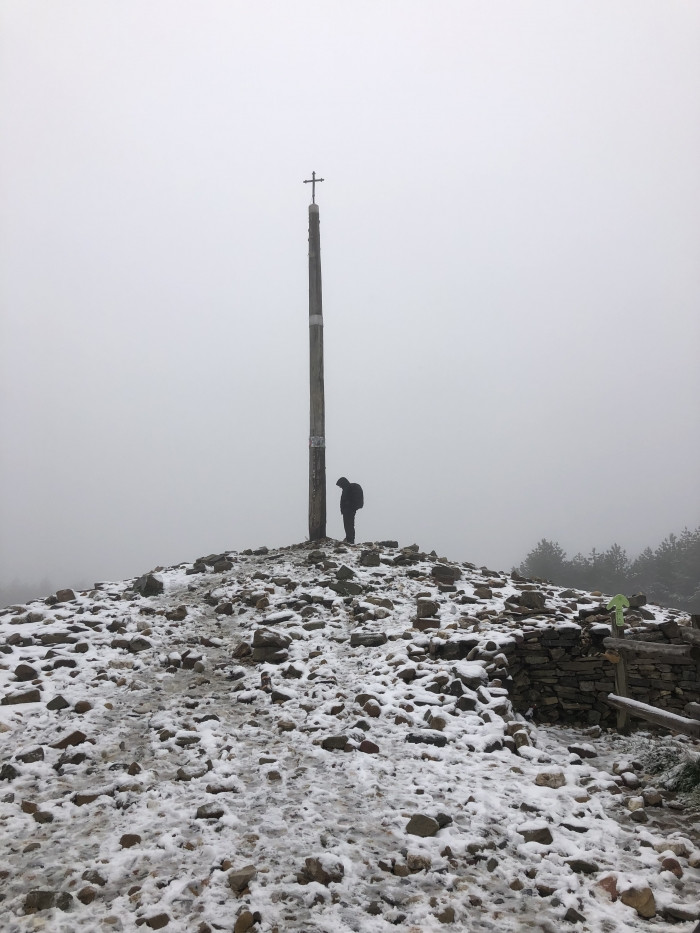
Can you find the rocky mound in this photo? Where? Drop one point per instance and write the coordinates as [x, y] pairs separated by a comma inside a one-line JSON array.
[[316, 739]]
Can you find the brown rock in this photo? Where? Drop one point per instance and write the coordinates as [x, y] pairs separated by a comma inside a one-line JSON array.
[[81, 800], [210, 811], [323, 873], [244, 922], [129, 839], [540, 833], [75, 738], [39, 899], [87, 894], [607, 886], [641, 898], [32, 754], [673, 865], [240, 878], [43, 816], [176, 615], [421, 825], [65, 596], [334, 743], [552, 779], [418, 863], [21, 696], [425, 608], [158, 921], [25, 672], [582, 866]]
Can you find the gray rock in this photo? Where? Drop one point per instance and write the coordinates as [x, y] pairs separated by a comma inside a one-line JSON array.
[[532, 600], [157, 921], [370, 559], [325, 874], [334, 742], [149, 585], [128, 840], [541, 834], [345, 587], [39, 899], [425, 608], [265, 638], [176, 615], [427, 738], [32, 754], [25, 672], [582, 866], [583, 750], [25, 696], [367, 639], [552, 779], [446, 573], [240, 878], [269, 655], [223, 566], [210, 811], [65, 596], [139, 643], [422, 825]]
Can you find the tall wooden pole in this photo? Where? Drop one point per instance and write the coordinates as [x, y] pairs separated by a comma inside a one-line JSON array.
[[317, 431]]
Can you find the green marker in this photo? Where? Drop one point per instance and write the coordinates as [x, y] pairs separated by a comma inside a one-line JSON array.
[[618, 603]]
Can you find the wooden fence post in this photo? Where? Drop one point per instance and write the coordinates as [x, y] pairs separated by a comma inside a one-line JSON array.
[[623, 716]]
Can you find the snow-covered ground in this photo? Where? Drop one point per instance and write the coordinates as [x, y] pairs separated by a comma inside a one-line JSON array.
[[156, 773]]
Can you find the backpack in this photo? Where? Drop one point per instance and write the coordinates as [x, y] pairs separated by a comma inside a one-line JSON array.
[[357, 496]]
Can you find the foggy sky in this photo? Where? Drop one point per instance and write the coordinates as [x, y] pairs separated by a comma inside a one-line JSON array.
[[510, 229]]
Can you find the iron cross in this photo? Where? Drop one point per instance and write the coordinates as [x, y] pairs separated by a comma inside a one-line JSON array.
[[312, 181]]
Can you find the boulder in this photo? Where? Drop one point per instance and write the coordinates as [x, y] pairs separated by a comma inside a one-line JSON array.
[[149, 585], [425, 608], [422, 825], [240, 878], [369, 559], [641, 898], [445, 573], [65, 596], [323, 871], [367, 639], [536, 832], [532, 600]]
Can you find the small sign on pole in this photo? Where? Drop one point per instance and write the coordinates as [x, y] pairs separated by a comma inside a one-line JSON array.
[[619, 603]]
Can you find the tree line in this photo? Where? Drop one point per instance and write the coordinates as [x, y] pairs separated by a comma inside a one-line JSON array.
[[668, 575]]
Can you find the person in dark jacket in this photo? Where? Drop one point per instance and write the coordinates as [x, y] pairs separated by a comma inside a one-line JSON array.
[[351, 499]]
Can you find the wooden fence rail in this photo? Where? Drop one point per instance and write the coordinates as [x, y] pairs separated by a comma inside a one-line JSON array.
[[619, 649], [658, 716], [653, 649]]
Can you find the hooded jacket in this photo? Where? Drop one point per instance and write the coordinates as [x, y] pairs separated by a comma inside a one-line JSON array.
[[352, 498]]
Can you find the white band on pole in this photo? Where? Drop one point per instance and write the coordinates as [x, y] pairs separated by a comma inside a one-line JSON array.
[[317, 441], [316, 319]]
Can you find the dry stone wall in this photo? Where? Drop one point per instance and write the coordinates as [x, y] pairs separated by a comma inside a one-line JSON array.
[[560, 672]]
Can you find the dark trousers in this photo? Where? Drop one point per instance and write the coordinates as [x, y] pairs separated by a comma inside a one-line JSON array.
[[349, 524]]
